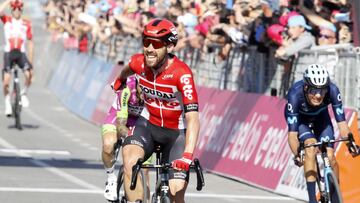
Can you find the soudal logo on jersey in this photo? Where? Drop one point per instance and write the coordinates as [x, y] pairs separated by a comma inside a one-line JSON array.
[[157, 93], [188, 88]]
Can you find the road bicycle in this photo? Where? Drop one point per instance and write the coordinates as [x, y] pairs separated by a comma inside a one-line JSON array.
[[120, 178], [326, 180], [161, 192], [16, 98]]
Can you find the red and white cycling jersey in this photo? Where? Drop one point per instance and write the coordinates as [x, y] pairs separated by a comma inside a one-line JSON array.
[[16, 33], [167, 94]]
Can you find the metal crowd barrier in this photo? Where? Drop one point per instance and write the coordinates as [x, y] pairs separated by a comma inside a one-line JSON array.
[[248, 70], [343, 64]]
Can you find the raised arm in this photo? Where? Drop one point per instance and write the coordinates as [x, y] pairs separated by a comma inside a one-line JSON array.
[[3, 5], [313, 17]]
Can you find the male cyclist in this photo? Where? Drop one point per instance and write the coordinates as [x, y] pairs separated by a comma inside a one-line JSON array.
[[17, 32], [309, 121], [122, 115], [171, 105]]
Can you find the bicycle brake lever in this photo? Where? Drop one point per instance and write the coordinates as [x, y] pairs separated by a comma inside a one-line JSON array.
[[135, 171], [199, 175]]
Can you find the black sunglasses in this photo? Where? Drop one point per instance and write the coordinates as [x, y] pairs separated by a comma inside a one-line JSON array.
[[315, 91], [325, 36]]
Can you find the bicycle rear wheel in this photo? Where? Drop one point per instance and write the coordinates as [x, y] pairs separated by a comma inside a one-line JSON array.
[[335, 194], [17, 106], [120, 186]]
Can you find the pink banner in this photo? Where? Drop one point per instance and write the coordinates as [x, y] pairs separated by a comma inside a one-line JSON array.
[[106, 98], [243, 136]]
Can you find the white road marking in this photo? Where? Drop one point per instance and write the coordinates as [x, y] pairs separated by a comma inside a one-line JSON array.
[[50, 168], [76, 140], [35, 151], [57, 128], [94, 148], [85, 145], [196, 195], [59, 109]]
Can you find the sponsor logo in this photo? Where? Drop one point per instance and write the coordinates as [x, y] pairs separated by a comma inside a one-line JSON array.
[[191, 107], [135, 142], [166, 77], [124, 102], [152, 31], [162, 95], [165, 188], [180, 175], [292, 120], [290, 108], [339, 97], [339, 111], [135, 110], [173, 30], [188, 88], [325, 139]]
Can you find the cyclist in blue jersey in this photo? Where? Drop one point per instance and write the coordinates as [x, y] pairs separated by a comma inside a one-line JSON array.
[[309, 121]]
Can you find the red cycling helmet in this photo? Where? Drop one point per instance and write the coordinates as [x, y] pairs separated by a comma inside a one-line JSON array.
[[14, 4], [162, 29]]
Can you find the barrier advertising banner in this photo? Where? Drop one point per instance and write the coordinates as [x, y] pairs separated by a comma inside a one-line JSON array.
[[243, 136], [106, 97]]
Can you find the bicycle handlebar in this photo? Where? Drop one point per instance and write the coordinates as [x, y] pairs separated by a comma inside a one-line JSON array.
[[196, 166], [326, 143]]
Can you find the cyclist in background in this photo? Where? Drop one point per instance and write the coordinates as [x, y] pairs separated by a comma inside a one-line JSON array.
[[17, 32], [171, 106], [122, 115], [309, 121]]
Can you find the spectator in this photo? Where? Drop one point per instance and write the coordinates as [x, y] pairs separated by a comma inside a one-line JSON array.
[[302, 39], [327, 35]]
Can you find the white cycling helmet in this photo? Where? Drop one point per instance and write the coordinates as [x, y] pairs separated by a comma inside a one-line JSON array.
[[316, 76]]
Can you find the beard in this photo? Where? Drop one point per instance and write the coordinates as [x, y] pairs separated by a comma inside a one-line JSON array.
[[154, 60]]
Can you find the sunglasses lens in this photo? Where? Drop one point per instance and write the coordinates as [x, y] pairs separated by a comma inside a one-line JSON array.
[[155, 43], [315, 91]]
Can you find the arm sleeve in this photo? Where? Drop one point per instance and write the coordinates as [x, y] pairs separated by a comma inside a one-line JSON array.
[[292, 113], [4, 18], [336, 103], [135, 63], [186, 86], [124, 99], [29, 33]]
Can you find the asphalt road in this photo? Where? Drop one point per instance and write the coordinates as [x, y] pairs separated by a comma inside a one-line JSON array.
[[56, 158]]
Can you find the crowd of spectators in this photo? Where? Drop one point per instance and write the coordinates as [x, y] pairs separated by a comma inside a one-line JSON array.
[[285, 25]]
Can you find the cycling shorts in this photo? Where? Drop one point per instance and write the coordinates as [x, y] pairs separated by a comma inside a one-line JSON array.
[[16, 57], [322, 127], [172, 142]]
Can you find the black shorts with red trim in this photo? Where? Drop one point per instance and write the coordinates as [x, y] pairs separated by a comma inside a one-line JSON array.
[[172, 142]]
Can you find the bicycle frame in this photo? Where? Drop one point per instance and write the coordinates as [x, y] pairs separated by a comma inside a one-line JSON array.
[[162, 177], [327, 171]]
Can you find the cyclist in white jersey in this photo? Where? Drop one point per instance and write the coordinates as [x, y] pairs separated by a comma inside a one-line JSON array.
[[17, 32]]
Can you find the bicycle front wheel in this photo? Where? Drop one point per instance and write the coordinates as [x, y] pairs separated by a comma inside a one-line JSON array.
[[165, 199], [17, 106], [120, 185], [335, 194]]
